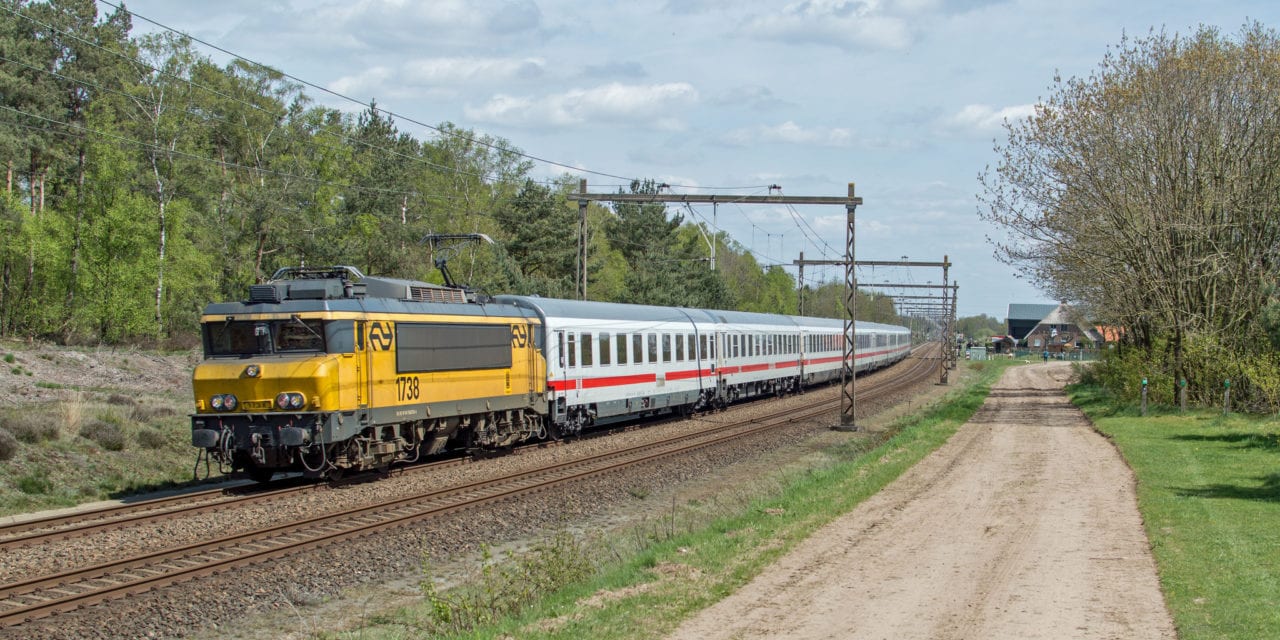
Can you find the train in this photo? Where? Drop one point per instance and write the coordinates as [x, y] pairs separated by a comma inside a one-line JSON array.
[[324, 370]]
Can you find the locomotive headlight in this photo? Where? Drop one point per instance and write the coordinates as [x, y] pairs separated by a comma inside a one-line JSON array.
[[290, 400], [252, 371], [223, 402]]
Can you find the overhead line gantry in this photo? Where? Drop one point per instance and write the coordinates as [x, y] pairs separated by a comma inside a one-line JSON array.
[[848, 398]]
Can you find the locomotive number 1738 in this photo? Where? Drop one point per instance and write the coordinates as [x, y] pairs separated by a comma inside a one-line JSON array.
[[407, 387]]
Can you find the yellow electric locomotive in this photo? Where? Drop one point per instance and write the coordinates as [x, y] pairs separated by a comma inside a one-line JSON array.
[[324, 370]]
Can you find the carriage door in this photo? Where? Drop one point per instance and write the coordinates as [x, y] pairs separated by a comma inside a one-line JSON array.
[[720, 353], [361, 366], [561, 376]]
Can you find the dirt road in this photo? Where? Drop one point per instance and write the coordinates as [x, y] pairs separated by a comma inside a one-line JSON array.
[[1024, 525]]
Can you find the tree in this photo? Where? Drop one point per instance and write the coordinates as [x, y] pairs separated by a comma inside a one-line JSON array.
[[980, 327], [538, 220], [1146, 193]]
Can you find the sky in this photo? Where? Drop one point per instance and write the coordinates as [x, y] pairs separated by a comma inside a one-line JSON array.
[[905, 98]]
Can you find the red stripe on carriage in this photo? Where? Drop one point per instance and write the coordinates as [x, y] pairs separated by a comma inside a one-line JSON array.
[[617, 381]]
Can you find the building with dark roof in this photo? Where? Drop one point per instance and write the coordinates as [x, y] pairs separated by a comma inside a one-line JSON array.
[[1054, 328], [1024, 317]]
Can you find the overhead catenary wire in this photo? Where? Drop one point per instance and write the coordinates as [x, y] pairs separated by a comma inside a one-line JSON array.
[[143, 67], [373, 108]]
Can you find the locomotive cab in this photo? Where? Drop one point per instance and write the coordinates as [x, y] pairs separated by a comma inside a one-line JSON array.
[[267, 385]]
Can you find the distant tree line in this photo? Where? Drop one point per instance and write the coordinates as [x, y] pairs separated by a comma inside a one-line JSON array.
[[142, 181], [1147, 194]]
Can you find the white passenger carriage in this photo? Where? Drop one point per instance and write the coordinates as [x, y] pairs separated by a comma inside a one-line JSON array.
[[606, 360], [609, 360]]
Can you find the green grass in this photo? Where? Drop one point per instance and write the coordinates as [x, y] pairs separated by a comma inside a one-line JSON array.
[[655, 576], [61, 460], [1209, 493]]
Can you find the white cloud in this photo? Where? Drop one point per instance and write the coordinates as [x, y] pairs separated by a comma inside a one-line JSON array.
[[406, 24], [983, 118], [790, 133], [653, 106], [456, 71], [847, 24], [368, 82]]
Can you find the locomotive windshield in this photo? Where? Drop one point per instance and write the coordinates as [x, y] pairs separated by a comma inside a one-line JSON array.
[[260, 337]]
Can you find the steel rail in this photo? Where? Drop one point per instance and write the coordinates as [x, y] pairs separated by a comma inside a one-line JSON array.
[[48, 595]]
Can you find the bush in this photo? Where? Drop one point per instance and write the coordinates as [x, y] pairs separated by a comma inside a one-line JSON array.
[[152, 439], [108, 435], [28, 427], [147, 413], [8, 445], [119, 399], [35, 483]]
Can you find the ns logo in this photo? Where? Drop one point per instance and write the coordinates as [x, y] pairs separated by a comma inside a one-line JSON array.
[[519, 335], [380, 335]]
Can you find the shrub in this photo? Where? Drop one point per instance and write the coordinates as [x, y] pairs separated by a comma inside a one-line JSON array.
[[152, 439], [119, 399], [8, 445], [29, 427], [147, 413], [108, 435], [71, 412], [35, 483]]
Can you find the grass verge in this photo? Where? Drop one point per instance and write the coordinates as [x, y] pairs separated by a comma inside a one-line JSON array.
[[90, 447], [1209, 493], [648, 580]]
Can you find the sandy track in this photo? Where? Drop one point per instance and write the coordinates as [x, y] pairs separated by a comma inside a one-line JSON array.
[[1024, 525]]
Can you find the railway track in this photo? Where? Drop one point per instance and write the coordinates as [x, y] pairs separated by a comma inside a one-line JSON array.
[[48, 595]]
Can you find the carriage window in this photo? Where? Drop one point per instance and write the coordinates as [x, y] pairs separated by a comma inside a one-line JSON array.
[[666, 347], [653, 348], [573, 350], [702, 342], [637, 348], [586, 349], [622, 348], [606, 349], [679, 348]]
